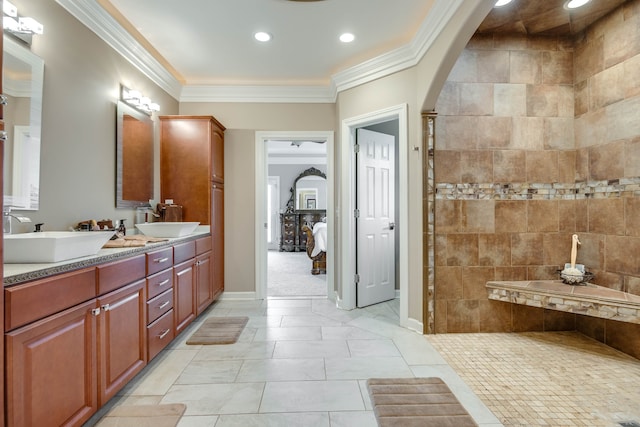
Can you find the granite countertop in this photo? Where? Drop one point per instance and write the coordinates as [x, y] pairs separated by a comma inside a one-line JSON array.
[[20, 273]]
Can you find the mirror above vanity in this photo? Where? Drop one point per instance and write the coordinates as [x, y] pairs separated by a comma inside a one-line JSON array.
[[134, 157], [22, 80]]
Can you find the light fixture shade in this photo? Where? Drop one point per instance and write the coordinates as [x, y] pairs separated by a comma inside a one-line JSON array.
[[30, 25], [10, 24], [9, 9]]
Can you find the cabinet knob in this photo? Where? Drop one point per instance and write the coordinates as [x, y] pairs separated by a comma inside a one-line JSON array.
[[95, 311], [3, 135], [3, 99], [106, 307]]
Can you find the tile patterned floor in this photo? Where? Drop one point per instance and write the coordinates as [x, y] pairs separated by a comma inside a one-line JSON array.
[[299, 362], [302, 362], [546, 379]]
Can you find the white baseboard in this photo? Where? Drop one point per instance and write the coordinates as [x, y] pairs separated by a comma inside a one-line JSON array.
[[415, 325], [227, 296]]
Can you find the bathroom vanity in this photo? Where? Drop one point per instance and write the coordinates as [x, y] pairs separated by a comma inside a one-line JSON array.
[[76, 332]]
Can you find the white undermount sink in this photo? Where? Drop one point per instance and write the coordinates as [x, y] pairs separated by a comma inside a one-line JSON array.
[[52, 246], [167, 229]]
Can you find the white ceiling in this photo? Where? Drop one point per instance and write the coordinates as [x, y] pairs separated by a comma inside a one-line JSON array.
[[211, 41], [203, 50]]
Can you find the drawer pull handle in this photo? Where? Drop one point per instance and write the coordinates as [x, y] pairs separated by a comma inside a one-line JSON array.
[[164, 282], [163, 305], [106, 307], [161, 260], [164, 334]]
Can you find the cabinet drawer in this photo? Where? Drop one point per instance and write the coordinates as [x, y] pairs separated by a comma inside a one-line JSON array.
[[203, 245], [159, 260], [160, 333], [184, 251], [159, 283], [40, 298], [159, 305], [117, 274]]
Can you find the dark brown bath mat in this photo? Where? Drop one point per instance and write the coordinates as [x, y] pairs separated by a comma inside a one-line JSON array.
[[416, 402], [218, 330]]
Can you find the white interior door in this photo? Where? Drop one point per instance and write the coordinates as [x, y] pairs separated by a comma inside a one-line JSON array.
[[375, 224], [273, 211]]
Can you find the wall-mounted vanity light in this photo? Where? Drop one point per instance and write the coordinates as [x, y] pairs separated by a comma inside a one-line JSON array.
[[138, 100], [23, 27]]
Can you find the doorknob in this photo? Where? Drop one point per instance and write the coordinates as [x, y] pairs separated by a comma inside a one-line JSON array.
[[392, 225]]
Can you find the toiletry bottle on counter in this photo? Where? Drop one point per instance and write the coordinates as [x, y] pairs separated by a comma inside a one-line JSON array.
[[122, 230]]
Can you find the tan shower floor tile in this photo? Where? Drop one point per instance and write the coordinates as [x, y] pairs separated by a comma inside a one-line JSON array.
[[546, 378]]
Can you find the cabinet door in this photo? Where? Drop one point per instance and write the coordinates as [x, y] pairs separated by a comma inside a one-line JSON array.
[[51, 370], [185, 158], [184, 307], [217, 234], [217, 153], [204, 282], [122, 342]]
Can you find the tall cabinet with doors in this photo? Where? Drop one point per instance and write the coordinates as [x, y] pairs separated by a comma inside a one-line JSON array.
[[192, 175]]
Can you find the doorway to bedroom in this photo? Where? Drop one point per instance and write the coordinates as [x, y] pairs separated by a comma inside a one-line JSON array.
[[296, 205]]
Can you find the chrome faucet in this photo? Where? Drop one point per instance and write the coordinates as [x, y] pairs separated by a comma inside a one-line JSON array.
[[6, 219]]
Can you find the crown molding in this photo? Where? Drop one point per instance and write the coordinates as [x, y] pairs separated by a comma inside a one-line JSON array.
[[92, 15], [403, 57]]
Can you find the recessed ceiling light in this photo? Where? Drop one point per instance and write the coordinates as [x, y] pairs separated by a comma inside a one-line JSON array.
[[261, 36], [573, 4], [347, 38], [502, 3]]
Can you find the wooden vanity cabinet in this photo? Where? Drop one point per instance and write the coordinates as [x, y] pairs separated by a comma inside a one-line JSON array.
[[203, 275], [62, 366], [184, 285], [73, 340], [217, 239], [52, 369], [122, 324], [192, 174], [160, 300], [122, 339], [191, 157]]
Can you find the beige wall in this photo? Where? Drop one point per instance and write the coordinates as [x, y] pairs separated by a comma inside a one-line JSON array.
[[396, 89], [81, 87], [242, 120]]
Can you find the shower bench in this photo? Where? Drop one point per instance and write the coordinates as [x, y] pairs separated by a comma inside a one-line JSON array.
[[589, 300]]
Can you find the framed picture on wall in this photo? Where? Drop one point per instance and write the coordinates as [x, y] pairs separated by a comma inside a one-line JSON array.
[[311, 203]]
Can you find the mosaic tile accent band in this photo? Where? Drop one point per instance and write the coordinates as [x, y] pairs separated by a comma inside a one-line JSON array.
[[623, 187]]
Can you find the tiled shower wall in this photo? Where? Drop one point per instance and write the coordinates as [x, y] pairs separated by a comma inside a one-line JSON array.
[[537, 138]]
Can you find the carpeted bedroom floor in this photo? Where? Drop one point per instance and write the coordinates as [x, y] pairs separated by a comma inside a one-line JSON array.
[[289, 275]]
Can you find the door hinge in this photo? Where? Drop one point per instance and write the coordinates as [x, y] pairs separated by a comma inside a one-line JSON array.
[[356, 148], [356, 278], [356, 213]]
